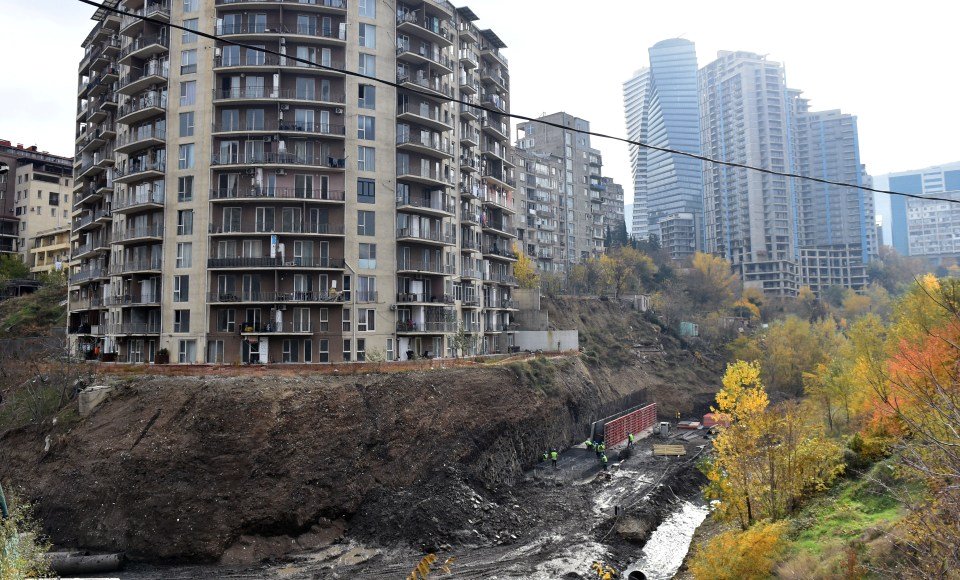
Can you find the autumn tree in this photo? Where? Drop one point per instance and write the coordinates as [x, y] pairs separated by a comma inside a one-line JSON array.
[[794, 346], [525, 270], [625, 268], [745, 555], [710, 282]]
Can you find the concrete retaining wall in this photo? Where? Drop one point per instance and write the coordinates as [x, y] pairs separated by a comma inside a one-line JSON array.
[[547, 339]]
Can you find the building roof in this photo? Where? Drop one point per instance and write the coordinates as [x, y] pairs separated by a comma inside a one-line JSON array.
[[467, 13], [492, 38]]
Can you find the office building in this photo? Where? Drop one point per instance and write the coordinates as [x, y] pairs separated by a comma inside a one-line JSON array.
[[926, 228], [580, 196], [238, 206], [661, 105]]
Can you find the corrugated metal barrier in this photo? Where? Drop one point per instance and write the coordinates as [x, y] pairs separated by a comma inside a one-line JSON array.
[[615, 431]]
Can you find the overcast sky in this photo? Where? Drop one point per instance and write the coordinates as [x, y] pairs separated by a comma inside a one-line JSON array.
[[894, 65]]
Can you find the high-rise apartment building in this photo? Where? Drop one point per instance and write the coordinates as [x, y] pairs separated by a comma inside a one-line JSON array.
[[580, 194], [662, 109], [35, 191], [781, 233], [613, 216], [539, 195], [926, 228], [243, 206]]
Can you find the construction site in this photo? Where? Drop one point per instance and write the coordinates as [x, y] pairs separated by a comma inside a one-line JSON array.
[[359, 472]]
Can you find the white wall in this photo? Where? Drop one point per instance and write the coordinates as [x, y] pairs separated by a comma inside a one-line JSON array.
[[547, 339]]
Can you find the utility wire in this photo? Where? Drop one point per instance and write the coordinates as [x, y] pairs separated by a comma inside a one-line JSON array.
[[396, 85]]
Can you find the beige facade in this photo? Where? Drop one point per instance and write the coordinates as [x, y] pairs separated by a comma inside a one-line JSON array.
[[42, 200], [50, 251], [245, 207]]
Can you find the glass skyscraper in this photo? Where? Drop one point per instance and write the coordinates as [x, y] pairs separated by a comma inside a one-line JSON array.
[[661, 106]]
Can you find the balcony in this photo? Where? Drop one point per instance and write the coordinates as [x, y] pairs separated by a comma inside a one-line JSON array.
[[424, 175], [274, 127], [286, 327], [328, 6], [148, 265], [279, 160], [411, 265], [144, 47], [261, 194], [275, 297], [256, 30], [493, 52], [498, 278], [275, 263], [470, 138], [90, 220], [433, 327], [90, 329], [155, 73], [141, 139], [134, 328], [469, 245], [136, 171], [441, 206], [501, 252], [423, 86], [432, 238], [470, 216], [146, 106], [130, 301], [423, 27], [261, 62], [499, 179], [490, 75], [134, 203], [415, 142], [425, 115], [498, 129], [261, 94], [88, 274], [319, 229], [153, 233], [91, 303], [469, 112], [422, 57], [495, 102], [131, 25], [425, 298], [502, 304]]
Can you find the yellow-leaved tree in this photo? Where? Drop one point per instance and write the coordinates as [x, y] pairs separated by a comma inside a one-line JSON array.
[[746, 555], [525, 270], [711, 284]]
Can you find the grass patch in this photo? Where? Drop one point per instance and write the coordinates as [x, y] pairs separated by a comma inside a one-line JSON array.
[[537, 372], [33, 314]]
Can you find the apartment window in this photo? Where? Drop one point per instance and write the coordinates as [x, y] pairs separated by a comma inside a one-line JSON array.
[[185, 222], [366, 158], [190, 6], [188, 61], [366, 191], [368, 256], [367, 97], [345, 320], [181, 321], [368, 8], [289, 352], [366, 223], [323, 352], [308, 350], [389, 351], [323, 318], [215, 351], [368, 65], [230, 55], [365, 321], [54, 198], [368, 35], [255, 119], [185, 188], [188, 93], [186, 156], [190, 24], [186, 124], [184, 255], [346, 349], [361, 349], [366, 289], [227, 320], [365, 127], [181, 288], [187, 351]]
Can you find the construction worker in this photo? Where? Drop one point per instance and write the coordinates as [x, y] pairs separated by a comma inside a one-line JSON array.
[[545, 456], [597, 447], [553, 457], [629, 439], [603, 447], [588, 444], [603, 461]]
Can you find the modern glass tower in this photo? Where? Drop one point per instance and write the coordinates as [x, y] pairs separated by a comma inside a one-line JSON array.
[[662, 109]]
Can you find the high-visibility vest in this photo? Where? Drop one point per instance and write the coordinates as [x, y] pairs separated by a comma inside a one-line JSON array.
[[553, 455], [630, 436], [603, 458]]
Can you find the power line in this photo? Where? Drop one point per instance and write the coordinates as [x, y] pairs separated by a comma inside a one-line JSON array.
[[105, 6]]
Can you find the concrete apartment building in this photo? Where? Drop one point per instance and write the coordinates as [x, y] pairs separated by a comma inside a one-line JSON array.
[[540, 212], [927, 228], [662, 109], [580, 194], [237, 206], [780, 234], [50, 251], [613, 208], [35, 190]]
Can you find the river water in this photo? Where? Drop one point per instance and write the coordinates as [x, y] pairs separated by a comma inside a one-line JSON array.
[[669, 543]]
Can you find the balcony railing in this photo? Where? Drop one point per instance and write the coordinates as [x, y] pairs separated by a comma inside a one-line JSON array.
[[143, 42], [436, 236], [293, 127], [338, 4], [275, 27], [501, 251], [435, 144], [417, 171], [445, 205], [435, 85], [144, 102], [424, 53], [135, 168], [279, 159], [88, 274], [248, 59], [434, 266], [289, 296], [152, 9], [287, 327], [273, 93], [154, 69], [275, 228], [442, 299], [432, 326], [267, 262], [439, 27], [134, 328], [267, 193], [153, 231], [128, 300], [140, 135]]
